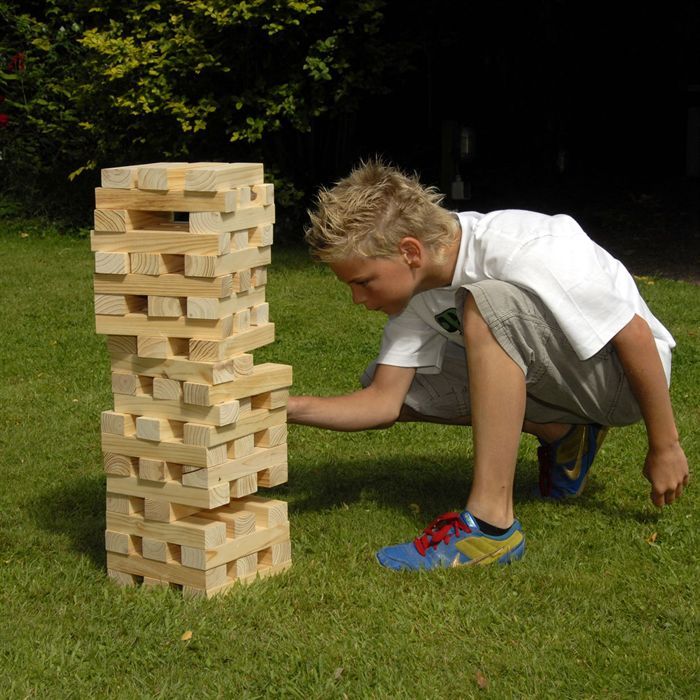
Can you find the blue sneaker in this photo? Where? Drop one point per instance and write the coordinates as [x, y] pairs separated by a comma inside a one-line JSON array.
[[454, 539], [565, 463]]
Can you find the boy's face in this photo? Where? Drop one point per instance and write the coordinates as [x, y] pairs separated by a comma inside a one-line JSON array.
[[381, 284]]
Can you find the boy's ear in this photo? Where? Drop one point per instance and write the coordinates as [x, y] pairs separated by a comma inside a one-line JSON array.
[[411, 250]]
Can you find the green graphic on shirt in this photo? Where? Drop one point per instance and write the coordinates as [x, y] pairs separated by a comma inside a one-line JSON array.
[[449, 320]]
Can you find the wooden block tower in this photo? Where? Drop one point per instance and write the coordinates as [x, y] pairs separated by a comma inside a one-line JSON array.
[[181, 255]]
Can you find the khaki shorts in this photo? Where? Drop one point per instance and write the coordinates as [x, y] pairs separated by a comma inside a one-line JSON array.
[[560, 387]]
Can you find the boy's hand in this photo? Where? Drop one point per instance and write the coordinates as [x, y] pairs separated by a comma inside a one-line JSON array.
[[667, 470]]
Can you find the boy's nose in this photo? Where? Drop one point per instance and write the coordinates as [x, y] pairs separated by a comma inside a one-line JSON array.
[[357, 295]]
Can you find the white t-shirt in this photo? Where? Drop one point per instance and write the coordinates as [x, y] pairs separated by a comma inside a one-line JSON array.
[[590, 293]]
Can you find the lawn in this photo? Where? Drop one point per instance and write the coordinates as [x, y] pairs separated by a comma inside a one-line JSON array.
[[604, 604]]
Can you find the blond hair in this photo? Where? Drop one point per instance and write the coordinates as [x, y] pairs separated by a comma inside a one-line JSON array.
[[367, 214]]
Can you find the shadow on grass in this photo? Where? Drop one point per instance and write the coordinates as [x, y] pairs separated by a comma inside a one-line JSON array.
[[75, 509]]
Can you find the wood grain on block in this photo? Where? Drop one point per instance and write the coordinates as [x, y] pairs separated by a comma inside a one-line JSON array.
[[205, 308], [163, 242], [129, 580], [271, 399], [259, 276], [268, 511], [260, 314], [254, 422], [164, 176], [174, 573], [192, 531], [170, 491], [271, 437], [224, 588], [276, 554], [224, 176], [122, 503], [117, 423], [238, 239], [217, 220], [131, 384], [175, 411], [152, 428], [263, 194], [241, 447], [125, 344], [169, 285], [118, 304], [119, 465], [261, 235], [242, 281], [235, 548], [112, 263], [159, 348], [237, 523], [235, 261], [244, 486], [255, 337], [166, 307], [169, 389], [166, 512], [149, 200], [123, 220], [122, 543], [183, 369], [183, 327], [124, 177], [171, 451], [274, 476], [158, 470], [243, 567], [159, 550], [154, 264]]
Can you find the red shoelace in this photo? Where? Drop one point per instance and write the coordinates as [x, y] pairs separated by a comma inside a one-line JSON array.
[[440, 530]]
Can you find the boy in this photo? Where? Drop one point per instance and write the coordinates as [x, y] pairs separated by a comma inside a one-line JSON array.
[[558, 341]]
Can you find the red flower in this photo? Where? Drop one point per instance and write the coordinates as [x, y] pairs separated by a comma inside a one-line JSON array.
[[16, 63], [4, 120]]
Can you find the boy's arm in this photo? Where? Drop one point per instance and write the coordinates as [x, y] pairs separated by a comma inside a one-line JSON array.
[[666, 466], [376, 406]]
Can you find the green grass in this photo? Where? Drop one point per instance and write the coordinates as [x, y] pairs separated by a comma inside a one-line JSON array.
[[594, 610]]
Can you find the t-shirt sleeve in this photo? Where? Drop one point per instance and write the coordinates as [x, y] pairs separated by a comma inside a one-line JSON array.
[[577, 281], [408, 341]]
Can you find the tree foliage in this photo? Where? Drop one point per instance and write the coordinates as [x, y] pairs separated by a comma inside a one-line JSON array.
[[105, 82]]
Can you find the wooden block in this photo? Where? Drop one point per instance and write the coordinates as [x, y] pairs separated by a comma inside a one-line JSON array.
[[149, 582], [158, 470], [122, 543], [167, 389], [131, 384], [221, 308], [182, 327], [271, 399], [170, 451], [235, 261], [147, 200], [219, 219], [121, 344], [224, 588], [123, 220], [123, 579], [232, 469], [169, 285], [276, 554], [118, 305], [213, 350], [192, 531], [157, 429], [166, 307], [224, 176], [182, 369], [121, 503], [260, 315], [166, 512], [266, 377], [112, 263], [119, 465], [160, 347], [156, 263], [238, 239], [244, 486], [235, 548], [157, 412], [259, 276], [158, 550], [124, 177], [169, 242], [263, 194], [271, 437], [174, 573], [161, 176], [118, 423], [261, 235], [210, 435], [268, 511], [242, 280], [241, 447], [274, 476]]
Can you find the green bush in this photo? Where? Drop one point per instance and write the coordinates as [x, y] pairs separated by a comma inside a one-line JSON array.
[[108, 83]]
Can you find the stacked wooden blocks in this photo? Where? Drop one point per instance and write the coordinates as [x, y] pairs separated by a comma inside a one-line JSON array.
[[181, 255]]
